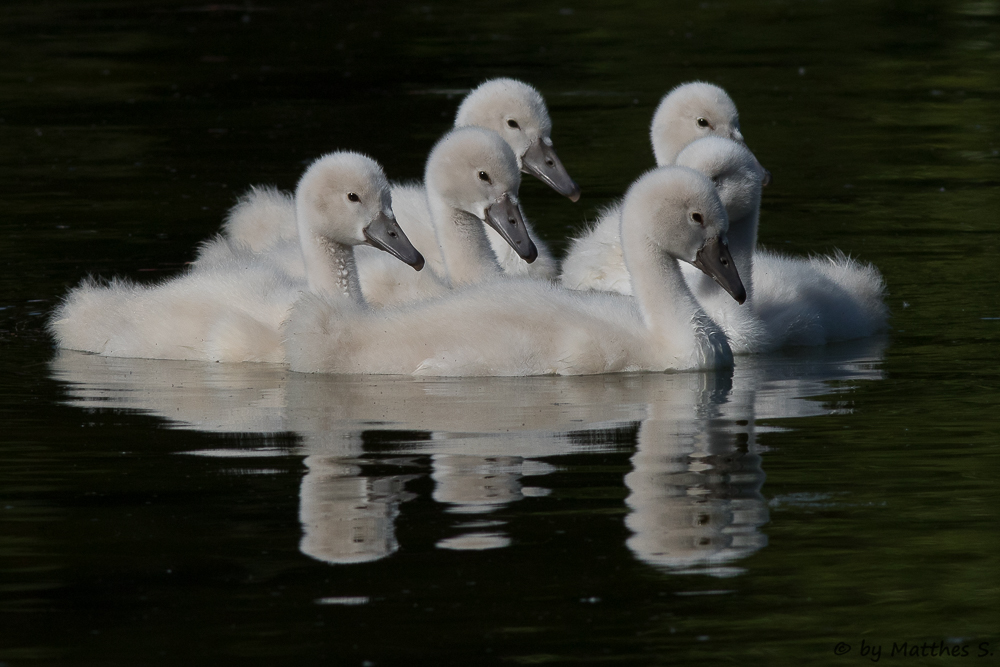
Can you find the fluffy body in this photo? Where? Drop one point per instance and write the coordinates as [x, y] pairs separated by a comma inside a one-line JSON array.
[[594, 259], [819, 299], [497, 328], [791, 301], [228, 312], [518, 327], [231, 308]]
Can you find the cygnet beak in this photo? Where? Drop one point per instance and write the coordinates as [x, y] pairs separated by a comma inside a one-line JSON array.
[[504, 216], [385, 234], [714, 259], [541, 161]]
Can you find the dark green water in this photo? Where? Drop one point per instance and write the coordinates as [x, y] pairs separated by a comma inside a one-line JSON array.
[[175, 513]]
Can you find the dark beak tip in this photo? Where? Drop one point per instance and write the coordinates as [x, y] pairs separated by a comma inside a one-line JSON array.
[[531, 255], [574, 196], [419, 264]]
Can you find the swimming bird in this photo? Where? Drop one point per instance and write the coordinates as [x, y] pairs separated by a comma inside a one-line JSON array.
[[793, 301], [232, 310], [688, 112], [737, 176], [530, 327]]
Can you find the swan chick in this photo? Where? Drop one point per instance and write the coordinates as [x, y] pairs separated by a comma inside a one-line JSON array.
[[688, 112], [517, 112], [525, 327], [232, 310], [471, 190]]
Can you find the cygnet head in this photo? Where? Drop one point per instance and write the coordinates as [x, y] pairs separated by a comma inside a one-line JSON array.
[[517, 112], [344, 198], [474, 170], [736, 173], [678, 211], [689, 112]]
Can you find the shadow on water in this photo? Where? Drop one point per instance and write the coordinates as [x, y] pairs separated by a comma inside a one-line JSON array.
[[694, 489]]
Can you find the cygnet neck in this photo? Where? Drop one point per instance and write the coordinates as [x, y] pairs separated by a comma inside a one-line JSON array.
[[468, 255], [667, 305], [742, 237], [330, 265], [665, 150]]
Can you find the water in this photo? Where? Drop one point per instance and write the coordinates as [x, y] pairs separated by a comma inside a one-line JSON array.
[[164, 513]]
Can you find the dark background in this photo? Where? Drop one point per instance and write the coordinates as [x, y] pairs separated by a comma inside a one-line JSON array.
[[127, 129]]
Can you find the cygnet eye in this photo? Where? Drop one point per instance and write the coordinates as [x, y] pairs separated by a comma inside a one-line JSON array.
[[353, 197], [698, 218], [512, 123], [702, 122], [483, 176]]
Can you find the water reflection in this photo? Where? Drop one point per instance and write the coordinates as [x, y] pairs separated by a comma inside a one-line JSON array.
[[694, 491], [347, 518], [695, 495]]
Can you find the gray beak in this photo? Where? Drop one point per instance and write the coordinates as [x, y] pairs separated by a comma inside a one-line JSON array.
[[714, 259], [505, 217], [384, 233], [541, 161]]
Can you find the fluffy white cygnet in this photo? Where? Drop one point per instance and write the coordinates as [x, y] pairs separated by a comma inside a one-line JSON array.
[[793, 301], [513, 109], [232, 309], [689, 112], [526, 327], [472, 182], [737, 177]]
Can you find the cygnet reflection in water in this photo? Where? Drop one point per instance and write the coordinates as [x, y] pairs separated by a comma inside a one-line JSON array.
[[348, 518], [694, 492]]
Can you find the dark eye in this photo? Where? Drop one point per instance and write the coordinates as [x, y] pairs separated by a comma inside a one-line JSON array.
[[702, 122], [483, 176], [697, 218], [353, 197], [512, 123]]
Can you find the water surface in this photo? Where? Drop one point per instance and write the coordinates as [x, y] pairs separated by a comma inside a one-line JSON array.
[[161, 512]]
